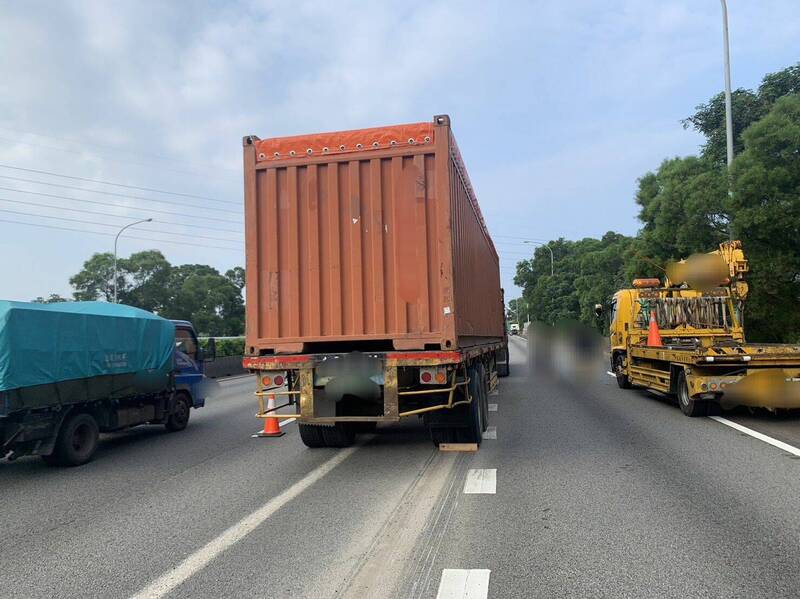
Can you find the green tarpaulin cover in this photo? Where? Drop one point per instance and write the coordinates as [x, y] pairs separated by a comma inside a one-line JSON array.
[[49, 343]]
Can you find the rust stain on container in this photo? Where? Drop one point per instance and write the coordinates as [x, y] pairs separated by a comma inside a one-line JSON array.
[[369, 239]]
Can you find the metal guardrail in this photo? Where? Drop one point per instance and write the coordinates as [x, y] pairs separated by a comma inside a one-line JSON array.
[[225, 366]]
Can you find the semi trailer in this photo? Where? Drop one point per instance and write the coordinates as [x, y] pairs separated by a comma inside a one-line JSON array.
[[70, 371], [373, 286]]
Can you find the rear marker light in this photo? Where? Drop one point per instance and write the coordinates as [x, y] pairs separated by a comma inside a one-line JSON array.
[[426, 377], [440, 378], [278, 381], [266, 381]]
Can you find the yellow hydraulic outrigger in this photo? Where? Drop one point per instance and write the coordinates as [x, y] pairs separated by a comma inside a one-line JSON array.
[[704, 358]]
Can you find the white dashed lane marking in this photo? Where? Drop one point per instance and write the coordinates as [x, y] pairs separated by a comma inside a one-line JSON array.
[[492, 407], [491, 432], [481, 481], [464, 584], [609, 373]]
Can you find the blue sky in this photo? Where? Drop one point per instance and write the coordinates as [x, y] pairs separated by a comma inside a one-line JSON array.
[[558, 107]]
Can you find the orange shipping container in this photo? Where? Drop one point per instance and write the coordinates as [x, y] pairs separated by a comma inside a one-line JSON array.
[[366, 240]]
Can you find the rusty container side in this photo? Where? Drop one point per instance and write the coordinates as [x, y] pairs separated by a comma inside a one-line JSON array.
[[476, 266], [349, 242]]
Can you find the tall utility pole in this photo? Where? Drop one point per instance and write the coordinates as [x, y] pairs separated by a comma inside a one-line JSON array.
[[728, 102], [116, 239], [728, 108]]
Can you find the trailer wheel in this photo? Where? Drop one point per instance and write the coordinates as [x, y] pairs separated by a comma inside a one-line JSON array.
[[179, 418], [311, 435], [690, 407], [442, 434], [619, 370], [484, 403], [503, 368], [77, 441], [473, 433], [341, 434]]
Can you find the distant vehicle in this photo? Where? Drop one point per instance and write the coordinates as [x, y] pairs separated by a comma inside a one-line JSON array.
[[513, 329], [686, 337], [70, 371], [374, 286]]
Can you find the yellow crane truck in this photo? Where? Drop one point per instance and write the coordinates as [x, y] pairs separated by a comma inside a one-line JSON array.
[[703, 357]]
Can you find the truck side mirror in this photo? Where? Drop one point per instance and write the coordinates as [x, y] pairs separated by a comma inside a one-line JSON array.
[[211, 350], [598, 310]]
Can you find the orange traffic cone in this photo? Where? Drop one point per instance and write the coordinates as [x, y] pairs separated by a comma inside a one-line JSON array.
[[653, 336], [271, 426]]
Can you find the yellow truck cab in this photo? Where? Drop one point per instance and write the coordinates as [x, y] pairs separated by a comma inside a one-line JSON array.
[[703, 358]]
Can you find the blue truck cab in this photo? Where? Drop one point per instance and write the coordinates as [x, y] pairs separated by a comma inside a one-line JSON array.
[[190, 359]]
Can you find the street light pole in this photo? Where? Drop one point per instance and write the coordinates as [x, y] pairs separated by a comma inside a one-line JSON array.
[[728, 107], [728, 103], [116, 239]]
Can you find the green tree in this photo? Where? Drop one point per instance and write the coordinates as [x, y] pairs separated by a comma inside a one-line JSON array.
[[747, 108], [766, 213], [210, 300], [586, 272], [709, 119], [96, 279], [196, 292], [682, 209]]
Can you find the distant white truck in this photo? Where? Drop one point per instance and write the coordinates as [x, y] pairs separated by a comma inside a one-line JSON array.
[[514, 328]]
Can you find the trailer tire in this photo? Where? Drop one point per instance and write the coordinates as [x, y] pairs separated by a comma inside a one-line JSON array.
[[311, 435], [484, 403], [179, 417], [690, 407], [503, 368], [341, 434], [619, 371], [77, 441], [473, 431], [442, 434]]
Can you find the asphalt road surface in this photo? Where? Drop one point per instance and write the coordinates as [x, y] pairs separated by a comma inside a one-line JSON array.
[[586, 491]]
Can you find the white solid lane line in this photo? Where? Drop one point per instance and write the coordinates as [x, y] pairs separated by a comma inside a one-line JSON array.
[[464, 584], [491, 432], [760, 436], [492, 407], [202, 557], [481, 481], [609, 373]]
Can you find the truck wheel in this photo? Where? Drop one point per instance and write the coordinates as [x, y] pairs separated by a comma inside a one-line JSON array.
[[473, 433], [440, 434], [179, 418], [501, 363], [484, 404], [340, 434], [619, 370], [77, 441], [690, 407], [311, 435], [503, 369]]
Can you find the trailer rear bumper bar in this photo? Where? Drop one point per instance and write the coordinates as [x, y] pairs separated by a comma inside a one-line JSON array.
[[300, 391]]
